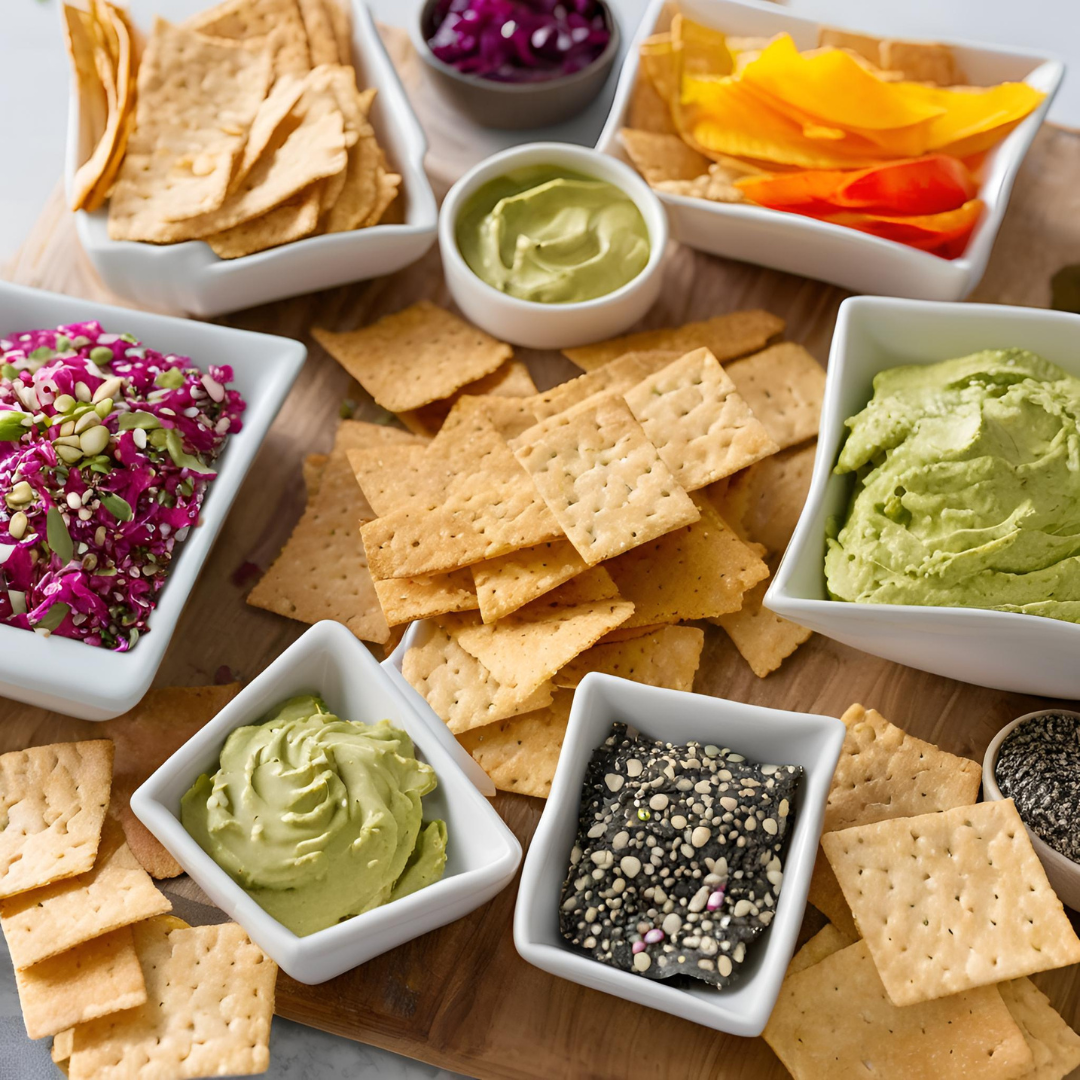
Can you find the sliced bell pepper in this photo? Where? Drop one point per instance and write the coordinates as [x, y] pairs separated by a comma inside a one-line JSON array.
[[944, 234]]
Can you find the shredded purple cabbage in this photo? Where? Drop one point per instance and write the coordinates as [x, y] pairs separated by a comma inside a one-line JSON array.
[[519, 40], [106, 454]]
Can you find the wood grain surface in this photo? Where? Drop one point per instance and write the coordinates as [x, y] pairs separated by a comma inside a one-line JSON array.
[[460, 997]]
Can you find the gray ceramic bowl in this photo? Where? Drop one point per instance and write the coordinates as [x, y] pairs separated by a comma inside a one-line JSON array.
[[516, 105]]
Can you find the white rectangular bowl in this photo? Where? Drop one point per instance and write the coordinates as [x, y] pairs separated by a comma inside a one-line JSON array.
[[768, 736], [482, 853], [1028, 654], [817, 249], [95, 683], [189, 277]]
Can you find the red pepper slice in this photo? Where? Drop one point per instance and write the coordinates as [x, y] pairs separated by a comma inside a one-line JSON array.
[[945, 234]]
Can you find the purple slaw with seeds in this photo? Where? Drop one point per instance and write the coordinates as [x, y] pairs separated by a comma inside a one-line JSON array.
[[107, 450]]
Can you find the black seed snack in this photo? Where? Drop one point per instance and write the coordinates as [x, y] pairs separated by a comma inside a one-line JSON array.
[[676, 867], [1038, 767]]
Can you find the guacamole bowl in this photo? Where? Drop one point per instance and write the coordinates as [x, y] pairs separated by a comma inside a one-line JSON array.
[[556, 325], [327, 661], [1004, 650]]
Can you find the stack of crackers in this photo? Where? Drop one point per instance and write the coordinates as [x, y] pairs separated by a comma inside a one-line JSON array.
[[124, 988], [940, 911], [248, 131], [542, 535]]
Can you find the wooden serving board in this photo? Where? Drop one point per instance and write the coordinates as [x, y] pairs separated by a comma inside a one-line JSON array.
[[460, 997]]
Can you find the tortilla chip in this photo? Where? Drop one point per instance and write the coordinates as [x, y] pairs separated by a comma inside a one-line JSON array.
[[921, 61], [276, 25], [320, 32], [341, 21], [294, 219], [648, 110], [668, 656], [661, 157]]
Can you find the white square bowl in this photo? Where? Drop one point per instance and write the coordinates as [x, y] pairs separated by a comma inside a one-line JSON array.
[[95, 683], [1028, 654], [482, 853], [818, 249], [768, 736], [190, 277]]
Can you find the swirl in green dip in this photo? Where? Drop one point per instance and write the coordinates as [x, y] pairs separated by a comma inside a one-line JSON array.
[[318, 818], [552, 236], [967, 489]]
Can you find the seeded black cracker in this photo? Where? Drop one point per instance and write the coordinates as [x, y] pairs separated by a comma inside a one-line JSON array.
[[677, 863], [1038, 767]]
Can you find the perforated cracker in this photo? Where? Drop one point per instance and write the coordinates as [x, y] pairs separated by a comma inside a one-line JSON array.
[[784, 386], [510, 416], [322, 572], [52, 804], [764, 639], [511, 581], [952, 900], [696, 572], [603, 479], [359, 435], [884, 772], [616, 377], [699, 424], [98, 977], [668, 656], [418, 355], [116, 892], [511, 380], [405, 599], [521, 754], [725, 336], [209, 1003], [459, 688], [834, 1020], [395, 474], [1054, 1045]]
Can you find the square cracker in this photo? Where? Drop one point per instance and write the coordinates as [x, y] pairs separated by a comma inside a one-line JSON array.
[[144, 737], [509, 582], [405, 599], [698, 422], [668, 656], [884, 772], [361, 435], [463, 693], [951, 900], [528, 647], [834, 1020], [511, 380], [764, 640], [1054, 1045], [209, 1003], [784, 386], [418, 355], [53, 801], [98, 977], [725, 336], [603, 479], [696, 572], [827, 896], [57, 917], [322, 572], [520, 754]]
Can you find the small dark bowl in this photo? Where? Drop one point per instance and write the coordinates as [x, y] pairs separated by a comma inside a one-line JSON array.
[[516, 105]]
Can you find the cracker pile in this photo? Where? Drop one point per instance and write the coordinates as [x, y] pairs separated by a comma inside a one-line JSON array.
[[99, 964], [545, 534], [248, 130], [942, 910]]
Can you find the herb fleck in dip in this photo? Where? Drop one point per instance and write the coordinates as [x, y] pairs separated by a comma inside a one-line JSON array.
[[106, 454], [677, 863], [1038, 767]]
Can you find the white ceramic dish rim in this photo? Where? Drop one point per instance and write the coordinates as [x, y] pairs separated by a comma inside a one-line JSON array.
[[134, 670], [782, 598], [573, 156], [777, 947], [92, 227], [283, 945], [992, 792], [1046, 74]]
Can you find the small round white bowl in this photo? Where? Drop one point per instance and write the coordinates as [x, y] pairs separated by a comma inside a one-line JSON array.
[[1062, 873], [553, 326]]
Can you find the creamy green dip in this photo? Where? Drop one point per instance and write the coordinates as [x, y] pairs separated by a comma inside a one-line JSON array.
[[318, 818], [553, 236], [967, 489]]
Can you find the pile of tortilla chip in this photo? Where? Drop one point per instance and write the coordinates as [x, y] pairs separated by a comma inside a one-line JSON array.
[[939, 912], [541, 535], [248, 131], [717, 117], [100, 964]]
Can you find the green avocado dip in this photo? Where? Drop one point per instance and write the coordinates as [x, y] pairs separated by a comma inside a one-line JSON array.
[[318, 818], [552, 236], [967, 489]]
